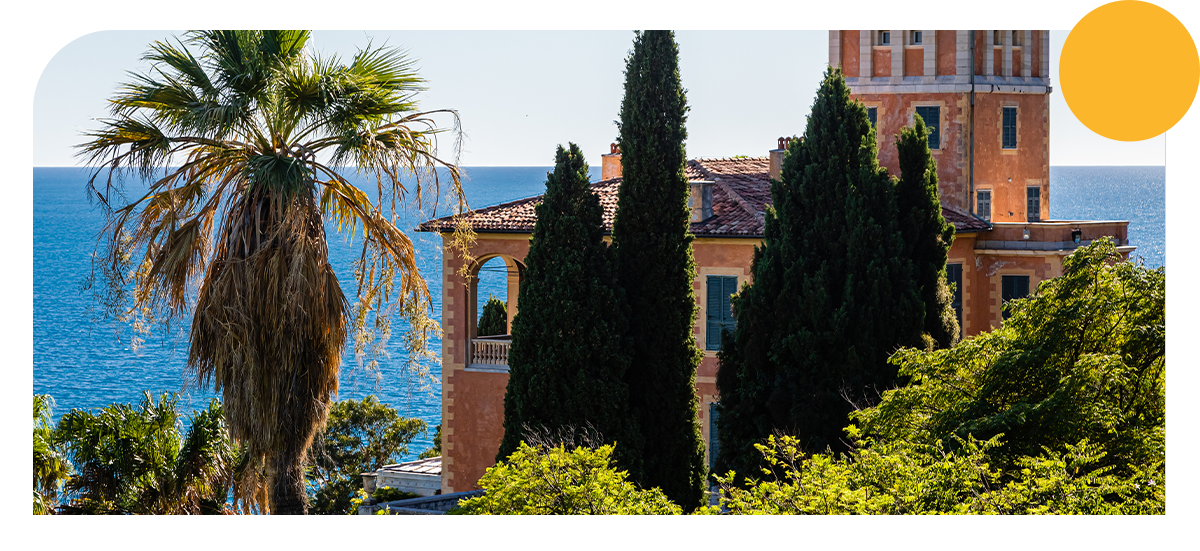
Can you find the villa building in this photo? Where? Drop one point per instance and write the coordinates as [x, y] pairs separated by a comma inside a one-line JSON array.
[[985, 97]]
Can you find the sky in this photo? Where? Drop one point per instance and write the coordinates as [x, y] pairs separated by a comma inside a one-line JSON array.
[[521, 93]]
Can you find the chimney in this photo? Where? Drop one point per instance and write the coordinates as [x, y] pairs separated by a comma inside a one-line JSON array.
[[700, 200], [611, 163], [777, 158]]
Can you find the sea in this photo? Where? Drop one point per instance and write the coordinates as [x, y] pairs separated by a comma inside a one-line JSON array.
[[85, 361]]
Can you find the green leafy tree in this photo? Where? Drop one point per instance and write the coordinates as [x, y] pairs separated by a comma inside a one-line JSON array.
[[51, 469], [566, 364], [899, 477], [656, 270], [927, 236], [1083, 357], [135, 460], [494, 320], [832, 297], [557, 481], [243, 146], [436, 450], [359, 437]]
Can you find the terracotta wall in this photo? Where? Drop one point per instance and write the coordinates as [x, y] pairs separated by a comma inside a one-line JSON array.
[[881, 62], [914, 61], [1036, 57], [472, 402], [1016, 62], [980, 43], [946, 52], [849, 52], [1008, 172], [894, 112]]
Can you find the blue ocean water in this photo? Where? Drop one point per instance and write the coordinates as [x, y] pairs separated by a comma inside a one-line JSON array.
[[1134, 193], [85, 363]]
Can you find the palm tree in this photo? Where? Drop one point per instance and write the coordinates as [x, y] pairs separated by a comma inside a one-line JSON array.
[[50, 466], [260, 129], [135, 460]]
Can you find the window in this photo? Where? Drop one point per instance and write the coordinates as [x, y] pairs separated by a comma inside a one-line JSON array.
[[1016, 39], [885, 38], [997, 38], [916, 37], [932, 119], [954, 277], [720, 309], [1009, 132], [1013, 287], [983, 204], [1033, 204], [871, 114]]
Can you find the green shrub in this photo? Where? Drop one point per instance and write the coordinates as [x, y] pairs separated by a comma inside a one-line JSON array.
[[386, 493], [554, 481]]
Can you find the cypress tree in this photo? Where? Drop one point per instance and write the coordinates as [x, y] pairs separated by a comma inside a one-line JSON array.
[[494, 320], [832, 297], [566, 366], [927, 235], [656, 270]]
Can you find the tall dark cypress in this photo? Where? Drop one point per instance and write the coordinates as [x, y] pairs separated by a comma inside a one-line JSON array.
[[832, 296], [566, 366], [927, 235], [656, 270]]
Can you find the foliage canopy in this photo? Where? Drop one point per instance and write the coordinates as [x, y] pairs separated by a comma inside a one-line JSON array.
[[558, 481]]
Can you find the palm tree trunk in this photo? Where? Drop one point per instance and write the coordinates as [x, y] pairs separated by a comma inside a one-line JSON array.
[[285, 471]]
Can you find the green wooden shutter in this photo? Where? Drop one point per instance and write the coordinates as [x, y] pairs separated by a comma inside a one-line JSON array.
[[713, 322], [1010, 128], [932, 118], [719, 313], [954, 277]]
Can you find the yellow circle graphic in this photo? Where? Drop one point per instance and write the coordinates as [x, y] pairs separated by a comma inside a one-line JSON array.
[[1129, 70]]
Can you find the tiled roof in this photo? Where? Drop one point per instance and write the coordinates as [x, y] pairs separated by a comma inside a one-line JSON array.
[[741, 192]]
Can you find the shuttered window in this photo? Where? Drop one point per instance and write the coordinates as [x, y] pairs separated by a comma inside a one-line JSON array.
[[1010, 128], [1033, 204], [1013, 287], [932, 118], [719, 310], [983, 206], [871, 114], [954, 278]]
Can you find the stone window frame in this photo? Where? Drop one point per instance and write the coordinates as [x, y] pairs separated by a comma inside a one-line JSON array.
[[701, 285], [914, 38], [941, 105], [877, 39], [1040, 198], [879, 111], [996, 311], [1000, 127], [991, 201]]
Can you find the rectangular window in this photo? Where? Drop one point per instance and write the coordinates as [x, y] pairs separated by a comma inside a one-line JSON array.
[[1010, 128], [932, 118], [885, 38], [916, 37], [720, 309], [871, 114], [1016, 39], [954, 279], [1013, 287], [983, 204], [1033, 204]]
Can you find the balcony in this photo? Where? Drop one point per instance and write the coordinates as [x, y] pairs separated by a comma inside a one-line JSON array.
[[490, 354]]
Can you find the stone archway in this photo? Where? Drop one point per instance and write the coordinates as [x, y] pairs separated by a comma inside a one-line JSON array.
[[491, 353]]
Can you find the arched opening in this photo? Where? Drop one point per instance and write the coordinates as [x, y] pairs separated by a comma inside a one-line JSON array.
[[496, 276]]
